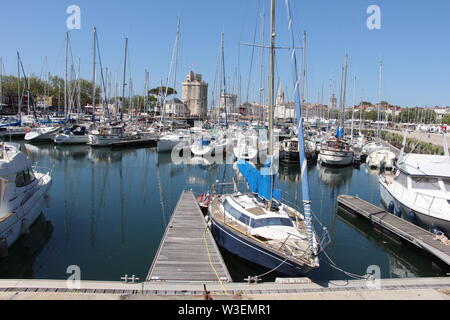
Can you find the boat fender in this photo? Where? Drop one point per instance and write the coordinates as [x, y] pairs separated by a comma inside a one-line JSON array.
[[207, 218], [3, 247], [398, 212], [411, 217], [436, 231], [24, 227], [209, 224], [391, 207]]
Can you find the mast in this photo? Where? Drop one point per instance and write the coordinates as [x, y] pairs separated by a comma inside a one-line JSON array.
[[303, 81], [344, 91], [124, 75], [19, 97], [379, 103], [65, 78], [301, 142], [94, 75], [79, 86], [271, 76], [353, 108], [261, 89], [224, 79]]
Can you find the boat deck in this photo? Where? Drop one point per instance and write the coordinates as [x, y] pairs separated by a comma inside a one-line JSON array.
[[413, 234], [188, 252]]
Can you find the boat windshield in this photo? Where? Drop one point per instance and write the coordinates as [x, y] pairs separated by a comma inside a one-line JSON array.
[[266, 222], [425, 183]]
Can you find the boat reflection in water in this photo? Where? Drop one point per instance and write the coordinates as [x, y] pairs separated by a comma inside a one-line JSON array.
[[335, 177], [22, 255], [106, 155]]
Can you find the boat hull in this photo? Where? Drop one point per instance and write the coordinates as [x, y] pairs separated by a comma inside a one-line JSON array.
[[424, 220], [249, 250], [12, 228], [71, 139], [335, 158]]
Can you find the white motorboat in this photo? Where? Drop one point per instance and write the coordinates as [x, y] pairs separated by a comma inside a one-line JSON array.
[[419, 190], [42, 134], [381, 159], [75, 135], [372, 147], [335, 152], [22, 192]]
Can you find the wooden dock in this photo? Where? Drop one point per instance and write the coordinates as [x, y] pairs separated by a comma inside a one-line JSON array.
[[188, 251], [399, 227]]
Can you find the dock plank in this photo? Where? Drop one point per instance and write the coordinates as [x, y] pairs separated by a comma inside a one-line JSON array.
[[417, 236], [188, 251]]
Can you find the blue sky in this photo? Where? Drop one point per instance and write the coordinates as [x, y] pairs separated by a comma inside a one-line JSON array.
[[414, 42]]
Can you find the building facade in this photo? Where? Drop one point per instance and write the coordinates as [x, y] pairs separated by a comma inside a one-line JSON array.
[[195, 95]]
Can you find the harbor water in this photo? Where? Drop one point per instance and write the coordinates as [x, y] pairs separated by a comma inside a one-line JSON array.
[[107, 211]]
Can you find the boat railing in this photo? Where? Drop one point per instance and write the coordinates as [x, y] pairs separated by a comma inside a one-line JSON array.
[[45, 171]]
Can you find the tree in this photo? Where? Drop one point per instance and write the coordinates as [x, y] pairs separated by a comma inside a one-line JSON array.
[[446, 119], [162, 90]]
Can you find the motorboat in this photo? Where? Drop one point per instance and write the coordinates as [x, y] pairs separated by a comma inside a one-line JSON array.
[[381, 159], [75, 135], [419, 190], [22, 193], [42, 134]]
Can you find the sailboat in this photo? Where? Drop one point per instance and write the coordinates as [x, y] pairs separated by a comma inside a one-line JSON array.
[[336, 151], [258, 226], [376, 145]]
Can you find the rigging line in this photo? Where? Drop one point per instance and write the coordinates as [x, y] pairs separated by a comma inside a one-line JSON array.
[[105, 97], [253, 50]]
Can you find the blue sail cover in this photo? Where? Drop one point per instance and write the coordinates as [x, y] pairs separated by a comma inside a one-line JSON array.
[[339, 132], [257, 182]]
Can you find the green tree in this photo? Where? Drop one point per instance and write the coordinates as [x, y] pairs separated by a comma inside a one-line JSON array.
[[158, 90], [446, 119]]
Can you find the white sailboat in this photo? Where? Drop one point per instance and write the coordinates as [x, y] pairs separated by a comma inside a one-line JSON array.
[[336, 151], [257, 226]]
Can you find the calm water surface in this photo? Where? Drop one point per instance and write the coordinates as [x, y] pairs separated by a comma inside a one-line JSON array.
[[107, 211]]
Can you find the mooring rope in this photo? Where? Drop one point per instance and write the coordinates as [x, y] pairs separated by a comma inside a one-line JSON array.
[[210, 261]]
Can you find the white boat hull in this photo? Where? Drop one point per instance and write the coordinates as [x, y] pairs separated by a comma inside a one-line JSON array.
[[17, 224], [335, 158]]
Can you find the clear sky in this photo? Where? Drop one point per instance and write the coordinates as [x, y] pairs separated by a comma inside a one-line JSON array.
[[414, 42]]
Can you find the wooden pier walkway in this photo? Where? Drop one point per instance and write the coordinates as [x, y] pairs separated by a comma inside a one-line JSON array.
[[397, 226], [188, 251]]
